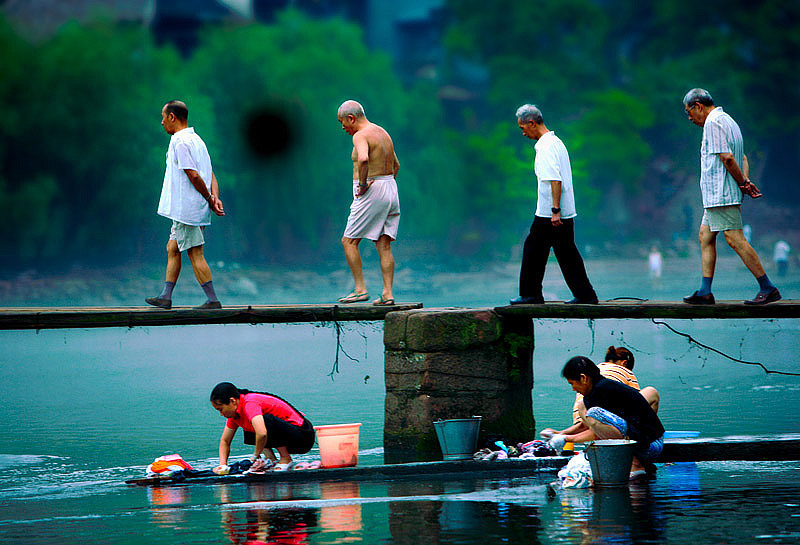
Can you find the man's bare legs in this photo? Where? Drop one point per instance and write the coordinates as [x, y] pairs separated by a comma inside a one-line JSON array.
[[353, 257], [173, 261], [203, 274], [384, 247], [767, 292], [708, 251], [199, 264], [164, 299], [736, 240]]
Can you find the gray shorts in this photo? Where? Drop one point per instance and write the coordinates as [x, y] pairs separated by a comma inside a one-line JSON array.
[[187, 236], [723, 218]]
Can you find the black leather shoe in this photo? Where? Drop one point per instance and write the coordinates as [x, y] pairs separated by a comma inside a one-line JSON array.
[[764, 297], [578, 301], [208, 305], [159, 302], [695, 299], [527, 300]]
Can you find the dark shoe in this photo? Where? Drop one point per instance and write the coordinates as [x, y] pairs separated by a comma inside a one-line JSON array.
[[578, 301], [208, 305], [159, 302], [527, 300], [764, 297], [695, 299]]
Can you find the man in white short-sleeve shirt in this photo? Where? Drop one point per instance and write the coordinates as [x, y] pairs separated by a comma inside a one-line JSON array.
[[189, 194], [723, 180], [553, 224]]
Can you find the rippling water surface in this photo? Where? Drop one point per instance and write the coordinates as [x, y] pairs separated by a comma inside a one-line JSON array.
[[86, 409]]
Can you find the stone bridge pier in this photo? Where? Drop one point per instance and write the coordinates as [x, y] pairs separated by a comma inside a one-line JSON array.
[[455, 363]]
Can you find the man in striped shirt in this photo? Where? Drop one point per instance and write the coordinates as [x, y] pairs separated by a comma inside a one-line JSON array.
[[722, 183]]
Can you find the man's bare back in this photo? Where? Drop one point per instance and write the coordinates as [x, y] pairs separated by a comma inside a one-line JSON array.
[[382, 159]]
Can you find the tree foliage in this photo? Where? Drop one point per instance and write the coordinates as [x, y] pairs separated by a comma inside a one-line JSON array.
[[81, 160], [82, 151], [610, 75]]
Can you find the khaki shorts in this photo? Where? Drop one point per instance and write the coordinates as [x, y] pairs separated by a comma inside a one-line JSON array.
[[187, 236], [723, 218]]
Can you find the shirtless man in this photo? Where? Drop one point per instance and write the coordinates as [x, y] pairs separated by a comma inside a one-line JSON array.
[[375, 212]]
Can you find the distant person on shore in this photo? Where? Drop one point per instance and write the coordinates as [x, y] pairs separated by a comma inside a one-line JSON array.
[[267, 422], [781, 256], [553, 223], [619, 367], [655, 262], [612, 410], [375, 211], [189, 194], [723, 180]]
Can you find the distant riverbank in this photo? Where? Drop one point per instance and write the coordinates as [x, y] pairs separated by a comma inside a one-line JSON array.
[[433, 284]]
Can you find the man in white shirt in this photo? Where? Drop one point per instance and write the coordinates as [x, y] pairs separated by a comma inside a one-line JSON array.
[[189, 194], [723, 180], [553, 223]]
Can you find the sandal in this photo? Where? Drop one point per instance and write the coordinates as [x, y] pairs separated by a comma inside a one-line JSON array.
[[260, 466], [354, 297], [381, 302]]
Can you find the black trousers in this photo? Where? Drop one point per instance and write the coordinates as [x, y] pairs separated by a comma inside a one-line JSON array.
[[297, 439], [536, 250]]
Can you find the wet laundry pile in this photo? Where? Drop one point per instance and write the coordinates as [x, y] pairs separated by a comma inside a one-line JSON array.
[[166, 466], [576, 474], [531, 449], [174, 467]]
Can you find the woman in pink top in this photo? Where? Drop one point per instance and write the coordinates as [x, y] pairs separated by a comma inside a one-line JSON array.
[[267, 422]]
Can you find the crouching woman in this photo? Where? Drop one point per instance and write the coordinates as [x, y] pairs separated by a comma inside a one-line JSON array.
[[268, 422], [613, 410]]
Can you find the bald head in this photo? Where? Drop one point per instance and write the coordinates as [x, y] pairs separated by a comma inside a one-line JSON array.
[[351, 107]]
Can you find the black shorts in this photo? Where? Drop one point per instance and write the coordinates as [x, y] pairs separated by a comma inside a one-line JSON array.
[[280, 433]]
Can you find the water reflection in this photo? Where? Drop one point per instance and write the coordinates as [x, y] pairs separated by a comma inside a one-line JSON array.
[[164, 499], [495, 511], [293, 524], [468, 513], [263, 526], [606, 515], [269, 526], [341, 518]]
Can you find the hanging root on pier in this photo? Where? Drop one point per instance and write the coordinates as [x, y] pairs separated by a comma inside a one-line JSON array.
[[712, 349], [339, 348]]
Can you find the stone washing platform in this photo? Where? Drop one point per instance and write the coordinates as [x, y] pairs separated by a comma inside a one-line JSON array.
[[748, 448]]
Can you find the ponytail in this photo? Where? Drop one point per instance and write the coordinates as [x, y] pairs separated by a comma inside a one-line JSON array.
[[620, 354]]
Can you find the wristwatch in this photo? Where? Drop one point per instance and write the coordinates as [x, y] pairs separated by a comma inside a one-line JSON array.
[[555, 210]]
